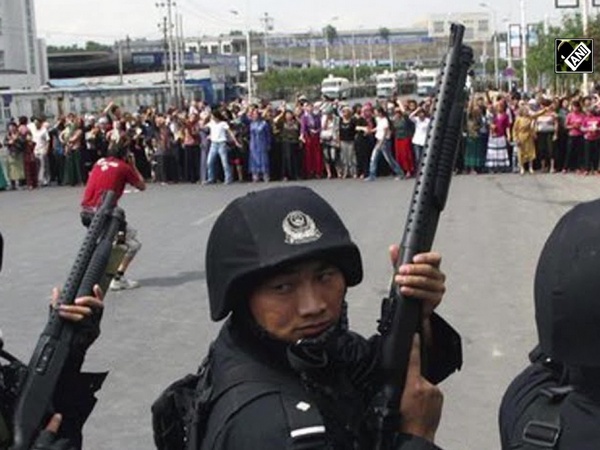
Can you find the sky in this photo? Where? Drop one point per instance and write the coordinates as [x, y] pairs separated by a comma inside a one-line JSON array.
[[63, 22]]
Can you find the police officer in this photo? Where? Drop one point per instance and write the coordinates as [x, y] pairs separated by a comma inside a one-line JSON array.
[[555, 402], [75, 394], [287, 372]]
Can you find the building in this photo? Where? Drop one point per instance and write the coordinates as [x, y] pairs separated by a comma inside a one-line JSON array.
[[22, 55], [478, 26]]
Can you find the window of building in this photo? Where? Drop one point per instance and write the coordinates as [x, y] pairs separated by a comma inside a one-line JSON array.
[[469, 34], [0, 26], [2, 62], [483, 26], [227, 49], [438, 26]]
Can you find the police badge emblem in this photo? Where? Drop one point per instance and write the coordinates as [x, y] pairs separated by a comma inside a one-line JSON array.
[[300, 228]]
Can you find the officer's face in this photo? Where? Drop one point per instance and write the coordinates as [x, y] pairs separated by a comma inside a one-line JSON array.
[[300, 302]]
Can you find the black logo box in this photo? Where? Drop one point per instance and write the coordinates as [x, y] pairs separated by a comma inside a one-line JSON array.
[[567, 55]]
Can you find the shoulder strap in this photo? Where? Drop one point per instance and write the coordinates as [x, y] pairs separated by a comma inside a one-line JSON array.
[[543, 429]]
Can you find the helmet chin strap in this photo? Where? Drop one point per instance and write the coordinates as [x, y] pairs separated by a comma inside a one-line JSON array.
[[311, 353]]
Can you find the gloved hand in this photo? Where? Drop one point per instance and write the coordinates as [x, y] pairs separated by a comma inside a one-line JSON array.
[[48, 440]]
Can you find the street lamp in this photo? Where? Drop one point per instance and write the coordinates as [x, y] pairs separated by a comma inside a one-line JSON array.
[[248, 57], [524, 44], [495, 41]]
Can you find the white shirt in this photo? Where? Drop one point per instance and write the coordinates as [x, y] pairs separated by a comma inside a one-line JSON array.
[[420, 130], [218, 131], [381, 128], [40, 138]]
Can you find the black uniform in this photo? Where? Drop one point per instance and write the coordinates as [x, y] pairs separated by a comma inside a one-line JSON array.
[[332, 383], [555, 402], [546, 394]]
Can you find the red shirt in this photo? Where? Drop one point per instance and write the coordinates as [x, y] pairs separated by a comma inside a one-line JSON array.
[[108, 174]]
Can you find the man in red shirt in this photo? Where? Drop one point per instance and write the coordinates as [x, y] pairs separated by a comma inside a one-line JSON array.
[[113, 173]]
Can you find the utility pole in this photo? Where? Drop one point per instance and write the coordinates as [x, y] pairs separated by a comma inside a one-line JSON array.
[[524, 45], [584, 20], [120, 63], [182, 58], [248, 50], [353, 56], [313, 50], [267, 22], [170, 4], [163, 27], [177, 62]]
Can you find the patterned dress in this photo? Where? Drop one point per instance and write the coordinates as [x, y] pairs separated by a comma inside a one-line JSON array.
[[497, 151]]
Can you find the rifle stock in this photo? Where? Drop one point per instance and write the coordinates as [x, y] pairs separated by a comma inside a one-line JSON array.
[[54, 345], [402, 316]]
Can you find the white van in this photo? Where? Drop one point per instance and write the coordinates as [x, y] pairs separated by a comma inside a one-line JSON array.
[[335, 87], [387, 85], [426, 82]]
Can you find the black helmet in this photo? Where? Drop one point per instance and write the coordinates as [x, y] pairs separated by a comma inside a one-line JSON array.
[[266, 229], [567, 289]]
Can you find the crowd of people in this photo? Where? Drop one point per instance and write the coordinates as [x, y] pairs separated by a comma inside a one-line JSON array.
[[503, 132]]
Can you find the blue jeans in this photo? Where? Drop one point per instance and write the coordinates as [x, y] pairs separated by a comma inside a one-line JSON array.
[[218, 149], [418, 154], [385, 149]]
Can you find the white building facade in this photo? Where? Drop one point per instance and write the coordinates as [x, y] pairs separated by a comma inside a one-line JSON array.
[[22, 55], [478, 25]]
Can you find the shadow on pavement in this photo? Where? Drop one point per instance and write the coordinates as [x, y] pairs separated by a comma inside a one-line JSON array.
[[176, 280]]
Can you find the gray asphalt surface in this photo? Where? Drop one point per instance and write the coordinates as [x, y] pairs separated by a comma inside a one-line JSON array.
[[490, 237]]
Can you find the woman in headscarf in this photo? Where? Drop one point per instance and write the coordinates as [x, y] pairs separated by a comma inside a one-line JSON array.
[[365, 138], [15, 162], [330, 138], [497, 149], [310, 126], [524, 136], [260, 144]]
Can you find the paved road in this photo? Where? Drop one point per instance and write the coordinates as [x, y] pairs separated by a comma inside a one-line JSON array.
[[490, 237]]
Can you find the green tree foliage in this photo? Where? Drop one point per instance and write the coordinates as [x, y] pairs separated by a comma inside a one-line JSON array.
[[330, 33], [90, 46], [540, 58], [384, 33], [288, 82]]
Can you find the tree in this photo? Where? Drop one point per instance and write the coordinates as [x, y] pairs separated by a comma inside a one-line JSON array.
[[384, 33], [540, 58], [63, 48], [330, 33], [92, 46]]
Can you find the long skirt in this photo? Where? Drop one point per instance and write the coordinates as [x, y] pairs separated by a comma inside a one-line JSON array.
[[497, 154], [313, 157], [527, 151], [404, 155], [473, 153], [31, 170], [3, 180], [259, 164], [72, 175], [16, 167]]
